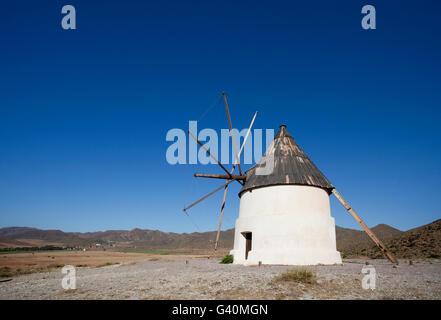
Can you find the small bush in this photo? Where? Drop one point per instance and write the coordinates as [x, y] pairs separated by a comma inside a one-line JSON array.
[[227, 259], [106, 264], [301, 275], [6, 272], [69, 291]]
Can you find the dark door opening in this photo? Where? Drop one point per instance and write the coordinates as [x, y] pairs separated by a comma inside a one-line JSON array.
[[248, 238]]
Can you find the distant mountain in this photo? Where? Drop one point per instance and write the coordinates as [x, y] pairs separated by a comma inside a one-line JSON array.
[[22, 236], [35, 237], [356, 243], [14, 231], [422, 242], [11, 243], [159, 239]]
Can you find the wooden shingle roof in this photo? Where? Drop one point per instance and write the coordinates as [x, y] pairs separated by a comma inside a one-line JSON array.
[[291, 167]]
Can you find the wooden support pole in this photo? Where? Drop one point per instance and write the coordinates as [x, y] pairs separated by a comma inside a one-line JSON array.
[[213, 157], [206, 150], [220, 176], [374, 238], [220, 219], [226, 187], [211, 193], [232, 133]]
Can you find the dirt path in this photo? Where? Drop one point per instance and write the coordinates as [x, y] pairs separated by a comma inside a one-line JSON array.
[[173, 278]]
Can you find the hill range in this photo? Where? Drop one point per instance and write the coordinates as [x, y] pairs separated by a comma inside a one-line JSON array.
[[421, 242]]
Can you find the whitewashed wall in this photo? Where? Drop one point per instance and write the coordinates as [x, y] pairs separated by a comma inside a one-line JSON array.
[[289, 224]]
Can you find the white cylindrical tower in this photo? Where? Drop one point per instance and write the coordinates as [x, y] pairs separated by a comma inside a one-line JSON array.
[[285, 216]]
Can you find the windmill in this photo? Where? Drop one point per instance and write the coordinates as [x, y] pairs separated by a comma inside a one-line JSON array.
[[284, 215]]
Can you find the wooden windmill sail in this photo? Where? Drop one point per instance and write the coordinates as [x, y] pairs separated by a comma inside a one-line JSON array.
[[291, 167]]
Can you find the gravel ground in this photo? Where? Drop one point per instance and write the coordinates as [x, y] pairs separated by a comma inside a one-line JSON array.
[[207, 279]]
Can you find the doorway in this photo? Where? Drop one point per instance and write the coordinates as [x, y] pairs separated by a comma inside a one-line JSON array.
[[248, 239]]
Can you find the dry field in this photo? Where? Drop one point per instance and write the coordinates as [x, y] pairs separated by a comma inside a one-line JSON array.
[[12, 264], [117, 275], [92, 258]]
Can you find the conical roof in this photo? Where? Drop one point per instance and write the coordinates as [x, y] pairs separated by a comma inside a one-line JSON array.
[[291, 167]]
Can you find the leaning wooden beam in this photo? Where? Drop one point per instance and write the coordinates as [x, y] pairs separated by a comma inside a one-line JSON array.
[[220, 176], [232, 133], [210, 194], [374, 238], [226, 187], [244, 140], [220, 219]]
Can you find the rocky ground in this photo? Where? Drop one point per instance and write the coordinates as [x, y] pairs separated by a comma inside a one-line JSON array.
[[199, 278]]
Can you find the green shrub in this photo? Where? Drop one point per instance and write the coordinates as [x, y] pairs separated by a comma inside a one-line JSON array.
[[301, 275], [227, 259], [6, 272]]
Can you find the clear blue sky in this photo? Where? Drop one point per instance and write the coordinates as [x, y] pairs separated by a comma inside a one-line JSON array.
[[84, 113]]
